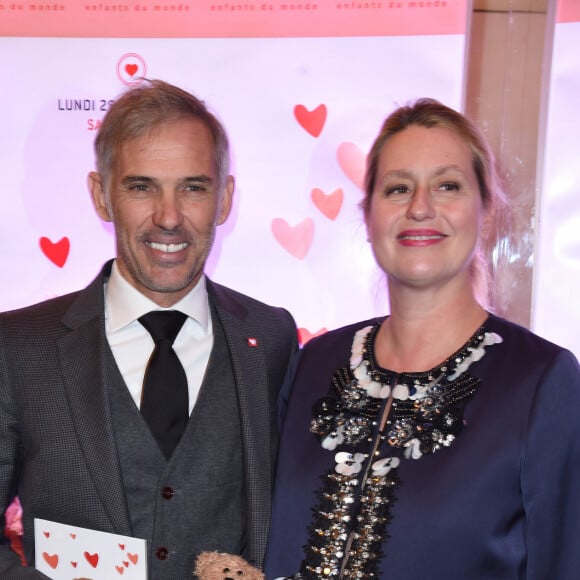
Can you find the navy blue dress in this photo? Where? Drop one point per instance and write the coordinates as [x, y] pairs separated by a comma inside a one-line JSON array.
[[493, 491]]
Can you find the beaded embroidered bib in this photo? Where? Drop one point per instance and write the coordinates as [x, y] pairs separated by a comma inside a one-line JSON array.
[[372, 419]]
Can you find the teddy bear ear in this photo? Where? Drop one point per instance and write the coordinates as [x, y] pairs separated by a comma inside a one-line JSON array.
[[203, 564]]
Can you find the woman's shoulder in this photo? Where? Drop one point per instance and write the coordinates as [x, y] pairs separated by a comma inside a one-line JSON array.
[[521, 345], [339, 336], [516, 334], [326, 353]]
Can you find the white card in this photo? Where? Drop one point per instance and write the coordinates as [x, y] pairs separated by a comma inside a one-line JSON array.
[[71, 553]]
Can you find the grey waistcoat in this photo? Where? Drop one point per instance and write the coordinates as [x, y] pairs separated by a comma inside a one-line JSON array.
[[194, 501]]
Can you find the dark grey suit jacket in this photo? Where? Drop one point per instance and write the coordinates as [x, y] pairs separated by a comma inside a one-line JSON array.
[[57, 448]]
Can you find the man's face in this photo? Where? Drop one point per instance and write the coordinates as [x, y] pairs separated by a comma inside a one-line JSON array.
[[165, 201]]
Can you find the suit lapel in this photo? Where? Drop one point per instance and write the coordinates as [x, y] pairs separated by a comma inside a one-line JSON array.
[[245, 341], [83, 358]]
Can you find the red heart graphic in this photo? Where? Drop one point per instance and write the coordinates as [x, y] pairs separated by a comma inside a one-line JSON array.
[[120, 569], [304, 335], [73, 536], [57, 252], [74, 564], [133, 557], [126, 564], [92, 559], [352, 161], [46, 534], [311, 121], [52, 561], [295, 240], [131, 69], [122, 546], [329, 204]]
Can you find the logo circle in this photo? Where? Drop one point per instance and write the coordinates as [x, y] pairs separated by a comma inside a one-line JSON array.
[[131, 69]]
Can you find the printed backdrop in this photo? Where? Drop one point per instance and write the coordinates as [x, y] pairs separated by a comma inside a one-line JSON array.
[[302, 88], [557, 266]]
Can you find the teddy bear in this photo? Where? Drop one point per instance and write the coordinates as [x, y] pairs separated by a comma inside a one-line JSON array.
[[221, 566]]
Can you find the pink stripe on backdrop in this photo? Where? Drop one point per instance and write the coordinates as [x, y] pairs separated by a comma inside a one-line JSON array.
[[568, 11], [231, 18]]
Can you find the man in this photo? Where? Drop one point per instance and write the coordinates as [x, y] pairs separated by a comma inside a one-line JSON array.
[[76, 444]]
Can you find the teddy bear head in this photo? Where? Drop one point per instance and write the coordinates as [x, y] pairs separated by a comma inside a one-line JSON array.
[[220, 566]]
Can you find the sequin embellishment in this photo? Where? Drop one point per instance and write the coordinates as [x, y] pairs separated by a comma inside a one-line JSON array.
[[421, 413]]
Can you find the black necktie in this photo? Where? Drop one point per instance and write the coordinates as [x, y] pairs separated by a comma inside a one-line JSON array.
[[164, 400]]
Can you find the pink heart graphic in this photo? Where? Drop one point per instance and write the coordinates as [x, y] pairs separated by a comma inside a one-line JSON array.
[[329, 204], [51, 559], [133, 557], [295, 240], [56, 252], [131, 69], [352, 161], [311, 121], [120, 569], [304, 335]]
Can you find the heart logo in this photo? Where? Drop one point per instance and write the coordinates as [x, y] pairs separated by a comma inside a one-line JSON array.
[[304, 335], [92, 559], [295, 240], [120, 569], [352, 161], [131, 69], [133, 557], [57, 252], [51, 560], [46, 534], [329, 204], [311, 121]]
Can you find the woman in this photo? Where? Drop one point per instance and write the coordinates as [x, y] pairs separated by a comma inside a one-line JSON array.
[[440, 442]]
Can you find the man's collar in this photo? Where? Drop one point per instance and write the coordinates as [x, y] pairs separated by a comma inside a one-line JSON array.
[[125, 304]]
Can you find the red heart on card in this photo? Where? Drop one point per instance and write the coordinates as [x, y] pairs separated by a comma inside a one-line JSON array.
[[46, 534], [294, 239], [133, 557], [131, 69], [352, 161], [328, 203], [311, 121], [126, 564], [73, 536], [51, 560], [74, 564], [120, 569], [122, 546], [92, 559], [304, 335], [56, 252]]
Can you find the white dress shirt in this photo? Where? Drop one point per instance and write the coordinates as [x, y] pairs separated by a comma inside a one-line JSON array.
[[132, 345]]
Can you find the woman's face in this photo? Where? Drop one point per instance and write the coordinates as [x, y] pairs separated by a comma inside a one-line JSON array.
[[425, 213]]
